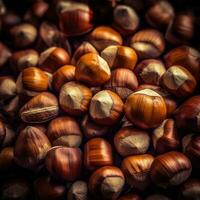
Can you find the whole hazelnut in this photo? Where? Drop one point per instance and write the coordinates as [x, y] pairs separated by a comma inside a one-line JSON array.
[[31, 148], [53, 58], [131, 141], [97, 153], [148, 43], [75, 98], [170, 169], [40, 108], [145, 108], [119, 56], [165, 137], [106, 183], [64, 131], [150, 71], [104, 36], [136, 170], [64, 163], [92, 70], [106, 107], [178, 81]]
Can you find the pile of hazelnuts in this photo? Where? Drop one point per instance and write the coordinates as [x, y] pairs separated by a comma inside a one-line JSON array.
[[99, 100]]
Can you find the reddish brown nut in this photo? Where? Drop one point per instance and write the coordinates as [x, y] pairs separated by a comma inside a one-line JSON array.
[[131, 141], [48, 189], [7, 87], [53, 58], [130, 196], [148, 43], [191, 147], [106, 107], [136, 170], [119, 56], [31, 148], [92, 70], [4, 54], [91, 129], [97, 153], [23, 35], [150, 71], [145, 108], [178, 81], [83, 49], [104, 36], [126, 20], [15, 189], [184, 56], [64, 163], [165, 137], [64, 131], [160, 14], [2, 132], [75, 18], [63, 75], [106, 183], [123, 82], [190, 190], [23, 59], [78, 191], [170, 169], [40, 108], [187, 115], [75, 98], [181, 28]]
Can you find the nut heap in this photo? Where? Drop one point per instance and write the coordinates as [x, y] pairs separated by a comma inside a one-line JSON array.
[[99, 100]]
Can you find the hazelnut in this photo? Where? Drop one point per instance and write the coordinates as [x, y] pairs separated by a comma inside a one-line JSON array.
[[64, 131], [136, 170], [131, 141], [53, 58], [31, 147], [150, 71], [165, 137], [104, 36], [106, 107], [145, 108], [75, 98], [64, 163], [40, 108], [148, 43], [119, 56], [92, 70], [170, 169], [97, 153], [106, 183], [126, 20], [4, 54], [178, 81]]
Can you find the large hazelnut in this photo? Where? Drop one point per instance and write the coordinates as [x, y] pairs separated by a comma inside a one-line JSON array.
[[64, 131], [104, 36], [148, 43], [165, 137], [92, 70], [40, 108], [178, 81], [170, 169], [106, 183], [97, 153], [145, 108], [136, 170], [64, 163], [106, 107], [119, 56], [31, 147], [131, 141], [75, 98]]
